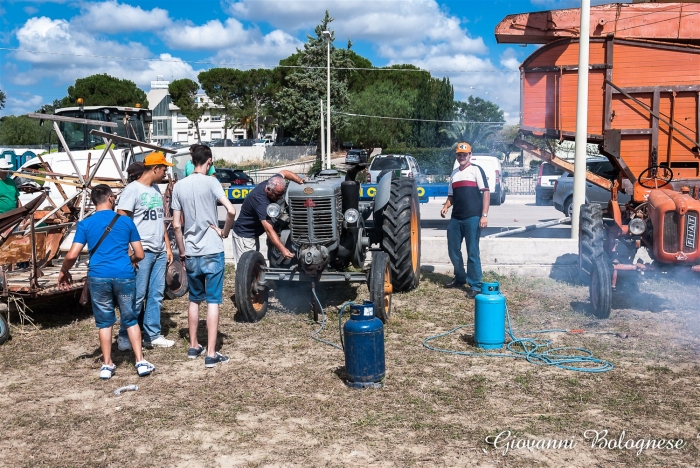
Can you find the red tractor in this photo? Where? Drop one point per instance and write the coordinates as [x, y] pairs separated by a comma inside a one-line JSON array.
[[643, 112]]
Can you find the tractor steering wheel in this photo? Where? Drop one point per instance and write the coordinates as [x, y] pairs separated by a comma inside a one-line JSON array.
[[658, 176]]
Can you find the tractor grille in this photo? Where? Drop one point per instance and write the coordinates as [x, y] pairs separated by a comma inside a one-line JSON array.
[[690, 243], [317, 228], [671, 232]]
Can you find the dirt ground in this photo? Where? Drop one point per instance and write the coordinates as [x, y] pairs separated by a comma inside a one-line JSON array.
[[281, 400]]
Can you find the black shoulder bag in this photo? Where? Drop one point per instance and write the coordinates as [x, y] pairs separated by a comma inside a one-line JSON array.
[[85, 295]]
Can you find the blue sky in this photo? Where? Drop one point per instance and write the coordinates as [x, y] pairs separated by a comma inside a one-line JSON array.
[[47, 44]]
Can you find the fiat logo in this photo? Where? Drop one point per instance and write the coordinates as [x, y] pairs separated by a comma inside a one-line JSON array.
[[308, 190]]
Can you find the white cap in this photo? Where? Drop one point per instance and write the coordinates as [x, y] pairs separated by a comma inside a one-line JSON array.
[[5, 164]]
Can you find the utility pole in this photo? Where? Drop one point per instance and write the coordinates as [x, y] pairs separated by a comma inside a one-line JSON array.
[[581, 118], [327, 38]]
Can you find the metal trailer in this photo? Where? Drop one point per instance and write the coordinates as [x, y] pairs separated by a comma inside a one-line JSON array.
[[31, 235], [644, 113]]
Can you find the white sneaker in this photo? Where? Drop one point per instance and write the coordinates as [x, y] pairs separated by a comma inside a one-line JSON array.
[[144, 368], [123, 343], [160, 342], [106, 372]]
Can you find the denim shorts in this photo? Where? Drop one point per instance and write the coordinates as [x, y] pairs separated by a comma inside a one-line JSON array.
[[205, 278], [106, 294]]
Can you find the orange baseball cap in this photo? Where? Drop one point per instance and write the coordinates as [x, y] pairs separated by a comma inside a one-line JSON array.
[[463, 148], [156, 158]]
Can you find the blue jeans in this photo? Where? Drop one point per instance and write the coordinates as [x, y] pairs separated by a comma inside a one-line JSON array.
[[150, 288], [105, 294], [205, 278], [469, 230]]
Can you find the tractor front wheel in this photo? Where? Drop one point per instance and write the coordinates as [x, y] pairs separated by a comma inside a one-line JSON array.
[[4, 328], [591, 238], [600, 289], [401, 234], [380, 287], [251, 297]]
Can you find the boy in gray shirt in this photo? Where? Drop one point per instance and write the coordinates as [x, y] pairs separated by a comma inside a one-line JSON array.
[[202, 248], [141, 200]]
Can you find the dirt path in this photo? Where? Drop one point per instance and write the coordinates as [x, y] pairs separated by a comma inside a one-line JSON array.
[[281, 400]]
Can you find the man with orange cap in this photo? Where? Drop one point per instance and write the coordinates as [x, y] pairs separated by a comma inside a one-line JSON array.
[[142, 201], [468, 195]]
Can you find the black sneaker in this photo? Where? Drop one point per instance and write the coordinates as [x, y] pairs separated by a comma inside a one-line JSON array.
[[217, 359], [194, 353], [454, 284], [472, 293]]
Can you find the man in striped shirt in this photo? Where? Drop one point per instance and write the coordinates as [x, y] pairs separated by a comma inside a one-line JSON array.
[[468, 195]]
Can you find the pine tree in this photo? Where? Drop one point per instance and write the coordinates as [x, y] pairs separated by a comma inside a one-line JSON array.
[[299, 101]]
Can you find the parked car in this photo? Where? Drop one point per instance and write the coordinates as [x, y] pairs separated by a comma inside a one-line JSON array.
[[492, 168], [229, 177], [244, 142], [383, 163], [356, 156], [221, 142], [174, 145], [263, 142], [564, 187], [544, 189], [289, 142]]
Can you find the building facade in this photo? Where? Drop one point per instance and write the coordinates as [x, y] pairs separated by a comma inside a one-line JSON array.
[[170, 125]]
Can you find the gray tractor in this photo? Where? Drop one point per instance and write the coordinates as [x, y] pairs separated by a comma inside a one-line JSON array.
[[323, 222]]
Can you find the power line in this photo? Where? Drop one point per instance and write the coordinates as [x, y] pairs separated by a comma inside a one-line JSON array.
[[417, 120], [250, 65]]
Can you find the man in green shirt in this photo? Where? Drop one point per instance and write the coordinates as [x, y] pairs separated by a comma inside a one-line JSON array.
[[9, 195]]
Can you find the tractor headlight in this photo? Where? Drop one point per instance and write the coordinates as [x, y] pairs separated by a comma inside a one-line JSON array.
[[273, 210], [637, 226], [351, 216]]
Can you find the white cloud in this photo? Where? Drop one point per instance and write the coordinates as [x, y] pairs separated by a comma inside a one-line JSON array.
[[233, 41], [409, 25], [30, 10], [114, 17], [23, 104], [510, 60], [68, 53], [234, 44], [211, 35]]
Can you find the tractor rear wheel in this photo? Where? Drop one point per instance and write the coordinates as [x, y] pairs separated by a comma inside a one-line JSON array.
[[380, 287], [591, 237], [251, 298], [401, 234], [600, 289], [4, 328]]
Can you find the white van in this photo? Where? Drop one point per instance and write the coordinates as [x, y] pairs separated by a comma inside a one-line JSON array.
[[492, 168]]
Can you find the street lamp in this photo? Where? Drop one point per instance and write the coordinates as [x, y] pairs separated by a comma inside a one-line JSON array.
[[327, 39]]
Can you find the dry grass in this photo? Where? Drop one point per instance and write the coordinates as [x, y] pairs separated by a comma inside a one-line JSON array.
[[281, 400]]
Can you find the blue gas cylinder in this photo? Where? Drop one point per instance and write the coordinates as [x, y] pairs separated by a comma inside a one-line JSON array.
[[364, 347], [490, 317]]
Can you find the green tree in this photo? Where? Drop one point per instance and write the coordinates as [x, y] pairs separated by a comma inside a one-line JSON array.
[[300, 99], [478, 123], [183, 93], [385, 99], [255, 93], [104, 90], [222, 87], [478, 110], [503, 143], [434, 102], [22, 130], [2, 100]]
